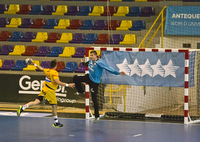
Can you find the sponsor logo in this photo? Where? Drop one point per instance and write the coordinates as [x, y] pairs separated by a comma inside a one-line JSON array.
[[63, 100]]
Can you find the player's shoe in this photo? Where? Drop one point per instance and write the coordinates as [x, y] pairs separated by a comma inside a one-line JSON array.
[[19, 111], [57, 125], [77, 93], [96, 120]]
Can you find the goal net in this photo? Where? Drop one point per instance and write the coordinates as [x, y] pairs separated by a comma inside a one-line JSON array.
[[159, 83]]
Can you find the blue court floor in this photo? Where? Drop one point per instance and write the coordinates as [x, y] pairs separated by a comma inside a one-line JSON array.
[[40, 129]]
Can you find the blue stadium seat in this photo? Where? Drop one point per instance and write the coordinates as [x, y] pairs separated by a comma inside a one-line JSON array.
[[87, 25], [70, 67], [36, 10], [20, 64], [55, 51], [90, 38], [138, 26], [85, 10], [134, 11], [16, 36], [50, 24]]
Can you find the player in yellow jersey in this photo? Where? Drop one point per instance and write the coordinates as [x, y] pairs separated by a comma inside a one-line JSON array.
[[48, 91]]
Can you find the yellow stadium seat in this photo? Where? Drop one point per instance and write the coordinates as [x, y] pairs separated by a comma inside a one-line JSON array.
[[97, 11], [0, 63], [122, 11], [41, 36], [18, 50], [14, 23], [13, 8], [115, 0], [65, 38], [63, 24], [61, 9], [141, 0], [125, 25], [129, 39], [68, 52], [32, 67]]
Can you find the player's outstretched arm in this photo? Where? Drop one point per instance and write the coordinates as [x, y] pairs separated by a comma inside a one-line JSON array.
[[72, 85], [39, 67]]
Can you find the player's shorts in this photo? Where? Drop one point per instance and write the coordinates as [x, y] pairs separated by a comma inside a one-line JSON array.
[[49, 94]]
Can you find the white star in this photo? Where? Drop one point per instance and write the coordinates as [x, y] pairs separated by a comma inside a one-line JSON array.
[[124, 67], [135, 69], [158, 69], [146, 69], [170, 69]]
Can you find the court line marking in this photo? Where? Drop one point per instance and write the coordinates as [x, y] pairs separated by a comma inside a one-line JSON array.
[[71, 135], [137, 135]]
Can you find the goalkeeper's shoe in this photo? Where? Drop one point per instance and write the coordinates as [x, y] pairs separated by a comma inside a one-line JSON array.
[[57, 125], [19, 111], [96, 120]]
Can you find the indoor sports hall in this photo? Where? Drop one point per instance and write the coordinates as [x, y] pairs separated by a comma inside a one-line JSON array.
[[141, 59]]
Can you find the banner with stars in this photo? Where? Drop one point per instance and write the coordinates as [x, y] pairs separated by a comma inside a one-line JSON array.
[[145, 68]]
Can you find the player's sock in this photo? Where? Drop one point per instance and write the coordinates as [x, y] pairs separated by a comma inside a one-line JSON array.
[[25, 106], [55, 118]]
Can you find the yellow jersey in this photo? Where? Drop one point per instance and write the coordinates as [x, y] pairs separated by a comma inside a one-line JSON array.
[[51, 75]]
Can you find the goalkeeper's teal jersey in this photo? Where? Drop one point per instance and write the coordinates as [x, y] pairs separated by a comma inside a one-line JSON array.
[[96, 68]]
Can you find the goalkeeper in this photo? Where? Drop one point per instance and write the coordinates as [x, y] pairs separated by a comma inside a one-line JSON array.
[[95, 66], [48, 91]]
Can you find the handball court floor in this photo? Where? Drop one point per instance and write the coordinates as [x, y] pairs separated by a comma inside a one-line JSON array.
[[36, 127]]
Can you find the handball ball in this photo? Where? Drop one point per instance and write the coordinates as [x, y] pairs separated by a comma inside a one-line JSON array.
[[28, 61]]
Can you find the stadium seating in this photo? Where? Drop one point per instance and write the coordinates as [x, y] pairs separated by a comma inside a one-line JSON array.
[[87, 25], [80, 69], [72, 10], [44, 64], [20, 64], [5, 35], [3, 7], [102, 39], [32, 67], [60, 66], [109, 11], [80, 53], [65, 38], [99, 25], [14, 23], [70, 67], [48, 10], [134, 11], [188, 0], [26, 23], [129, 39], [4, 22], [68, 52], [53, 37], [90, 38], [122, 11], [112, 25], [128, 0], [28, 36], [97, 11], [50, 24], [85, 10], [7, 65], [77, 38], [141, 0], [63, 24], [38, 23], [61, 9], [41, 36], [115, 39], [18, 50], [138, 26], [16, 36], [30, 51], [25, 9], [13, 8], [36, 10], [147, 12], [125, 25], [55, 51], [6, 49], [116, 0], [0, 63], [75, 24], [43, 51]]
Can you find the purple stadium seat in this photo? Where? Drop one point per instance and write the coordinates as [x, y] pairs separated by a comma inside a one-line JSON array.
[[99, 25], [80, 52], [4, 22], [43, 50], [81, 69], [147, 12], [3, 7], [28, 37], [72, 10], [26, 23], [115, 39], [7, 65], [48, 10], [77, 38], [44, 64], [6, 49]]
